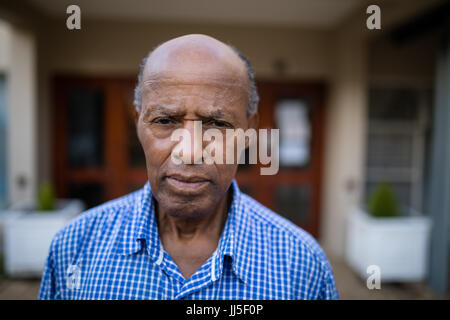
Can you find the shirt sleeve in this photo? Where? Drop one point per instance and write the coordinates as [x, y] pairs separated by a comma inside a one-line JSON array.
[[328, 290], [48, 283]]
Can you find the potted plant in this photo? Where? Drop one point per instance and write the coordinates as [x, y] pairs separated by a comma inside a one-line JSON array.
[[385, 236], [29, 227]]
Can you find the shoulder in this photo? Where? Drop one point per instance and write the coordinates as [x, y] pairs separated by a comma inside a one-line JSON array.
[[310, 272], [283, 233], [92, 225]]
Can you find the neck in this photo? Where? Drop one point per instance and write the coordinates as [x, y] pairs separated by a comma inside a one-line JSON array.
[[186, 229]]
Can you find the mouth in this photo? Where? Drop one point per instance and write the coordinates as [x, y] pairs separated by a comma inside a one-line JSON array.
[[187, 184]]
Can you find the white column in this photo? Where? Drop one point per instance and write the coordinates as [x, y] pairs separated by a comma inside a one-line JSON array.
[[345, 138], [22, 141]]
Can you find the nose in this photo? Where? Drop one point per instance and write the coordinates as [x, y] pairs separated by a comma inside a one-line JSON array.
[[193, 152]]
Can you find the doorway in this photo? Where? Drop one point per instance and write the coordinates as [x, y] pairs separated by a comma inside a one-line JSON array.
[[294, 192]]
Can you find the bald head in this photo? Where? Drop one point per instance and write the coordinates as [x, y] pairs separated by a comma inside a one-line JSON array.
[[199, 57], [196, 55]]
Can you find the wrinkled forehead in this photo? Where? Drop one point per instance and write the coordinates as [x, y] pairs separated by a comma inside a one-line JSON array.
[[176, 77], [198, 82], [196, 95], [196, 61]]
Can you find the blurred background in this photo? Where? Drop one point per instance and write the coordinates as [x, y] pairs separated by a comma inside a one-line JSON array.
[[364, 118]]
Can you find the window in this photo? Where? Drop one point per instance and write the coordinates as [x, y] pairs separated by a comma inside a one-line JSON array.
[[396, 148], [85, 127], [293, 120]]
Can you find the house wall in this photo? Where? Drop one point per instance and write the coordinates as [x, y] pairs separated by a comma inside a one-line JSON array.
[[343, 59], [345, 134], [17, 62], [117, 47], [4, 49], [411, 64]]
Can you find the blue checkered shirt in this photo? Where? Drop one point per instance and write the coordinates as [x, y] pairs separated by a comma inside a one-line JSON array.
[[114, 251]]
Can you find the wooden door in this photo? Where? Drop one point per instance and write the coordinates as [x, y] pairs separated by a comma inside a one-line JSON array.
[[294, 192], [97, 156], [96, 152]]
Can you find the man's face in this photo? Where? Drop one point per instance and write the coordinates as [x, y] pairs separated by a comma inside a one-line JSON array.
[[173, 100]]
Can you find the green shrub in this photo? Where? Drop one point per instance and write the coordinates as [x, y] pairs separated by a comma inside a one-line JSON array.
[[382, 201], [46, 197]]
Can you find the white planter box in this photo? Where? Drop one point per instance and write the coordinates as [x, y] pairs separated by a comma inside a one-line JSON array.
[[27, 235], [399, 246]]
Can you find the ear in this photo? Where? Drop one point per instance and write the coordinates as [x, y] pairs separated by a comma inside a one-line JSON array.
[[135, 116], [253, 123]]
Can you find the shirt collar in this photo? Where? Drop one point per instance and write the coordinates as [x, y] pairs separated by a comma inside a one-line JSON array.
[[139, 229], [231, 243], [138, 223]]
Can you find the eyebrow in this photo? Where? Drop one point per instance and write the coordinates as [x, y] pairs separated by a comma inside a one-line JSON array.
[[214, 114], [209, 114], [162, 110]]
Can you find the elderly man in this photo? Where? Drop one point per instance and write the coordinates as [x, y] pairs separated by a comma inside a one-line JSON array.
[[189, 233]]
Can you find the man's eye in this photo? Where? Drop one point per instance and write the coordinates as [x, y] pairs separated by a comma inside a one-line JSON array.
[[162, 121], [219, 124]]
